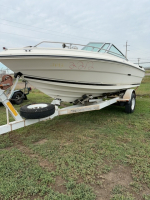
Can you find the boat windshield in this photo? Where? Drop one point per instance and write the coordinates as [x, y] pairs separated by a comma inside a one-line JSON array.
[[104, 48], [93, 46], [114, 51]]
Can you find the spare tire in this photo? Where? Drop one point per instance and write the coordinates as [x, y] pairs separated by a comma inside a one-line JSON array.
[[37, 111]]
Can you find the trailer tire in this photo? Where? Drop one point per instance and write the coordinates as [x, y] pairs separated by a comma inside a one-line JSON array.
[[37, 111], [130, 106], [17, 97]]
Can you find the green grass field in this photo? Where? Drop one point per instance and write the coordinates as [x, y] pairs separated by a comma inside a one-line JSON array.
[[147, 71], [93, 155]]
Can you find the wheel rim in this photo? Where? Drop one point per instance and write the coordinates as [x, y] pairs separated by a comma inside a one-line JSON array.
[[18, 97], [133, 104], [37, 106]]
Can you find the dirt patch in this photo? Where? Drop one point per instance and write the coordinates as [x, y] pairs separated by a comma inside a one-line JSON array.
[[41, 142], [14, 138], [7, 148], [25, 150], [67, 143], [59, 185], [120, 175], [42, 162], [146, 190], [80, 180], [45, 164]]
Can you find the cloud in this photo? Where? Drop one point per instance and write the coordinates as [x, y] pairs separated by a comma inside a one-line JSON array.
[[77, 21]]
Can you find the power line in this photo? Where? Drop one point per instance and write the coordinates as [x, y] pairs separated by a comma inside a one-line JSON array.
[[43, 29], [19, 35], [142, 58], [47, 33], [143, 62], [133, 60], [57, 21]]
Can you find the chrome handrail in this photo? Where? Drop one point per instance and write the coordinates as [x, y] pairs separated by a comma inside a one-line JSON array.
[[65, 43], [101, 48]]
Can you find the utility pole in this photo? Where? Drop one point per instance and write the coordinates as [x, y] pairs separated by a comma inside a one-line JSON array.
[[139, 61], [126, 48]]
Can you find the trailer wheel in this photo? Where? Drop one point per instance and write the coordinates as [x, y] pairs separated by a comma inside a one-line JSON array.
[[17, 97], [130, 107], [37, 111]]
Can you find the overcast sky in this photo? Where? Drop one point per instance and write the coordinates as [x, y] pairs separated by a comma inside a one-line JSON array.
[[28, 22]]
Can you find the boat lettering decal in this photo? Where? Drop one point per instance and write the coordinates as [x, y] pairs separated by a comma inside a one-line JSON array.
[[57, 65], [81, 65], [72, 65]]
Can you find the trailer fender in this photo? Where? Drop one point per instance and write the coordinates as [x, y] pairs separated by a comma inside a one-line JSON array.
[[130, 104], [128, 94]]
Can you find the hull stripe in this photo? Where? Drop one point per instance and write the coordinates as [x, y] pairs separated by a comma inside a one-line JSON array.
[[70, 82]]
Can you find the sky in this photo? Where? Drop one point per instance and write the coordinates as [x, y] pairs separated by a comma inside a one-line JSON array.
[[28, 22]]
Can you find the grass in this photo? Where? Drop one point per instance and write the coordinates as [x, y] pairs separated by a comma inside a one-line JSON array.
[[144, 89], [147, 71], [93, 155]]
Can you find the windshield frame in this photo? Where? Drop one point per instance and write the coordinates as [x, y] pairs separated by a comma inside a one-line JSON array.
[[113, 53], [106, 50]]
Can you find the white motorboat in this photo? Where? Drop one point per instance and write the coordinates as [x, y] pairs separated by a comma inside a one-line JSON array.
[[68, 73]]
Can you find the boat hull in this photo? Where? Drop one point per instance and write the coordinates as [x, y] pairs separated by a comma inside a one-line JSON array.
[[70, 78]]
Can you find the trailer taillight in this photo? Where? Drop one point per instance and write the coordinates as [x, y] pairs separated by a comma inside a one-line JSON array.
[[29, 88]]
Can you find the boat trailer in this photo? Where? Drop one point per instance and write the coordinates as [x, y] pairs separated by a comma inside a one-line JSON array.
[[127, 99]]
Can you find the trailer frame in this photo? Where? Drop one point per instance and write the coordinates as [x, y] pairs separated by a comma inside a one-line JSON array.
[[92, 104]]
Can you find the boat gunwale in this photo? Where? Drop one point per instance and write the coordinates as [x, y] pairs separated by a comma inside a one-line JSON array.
[[75, 57]]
